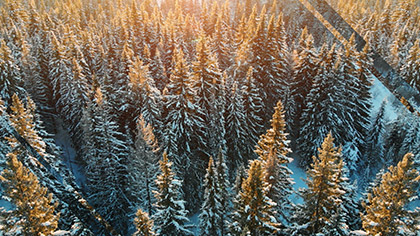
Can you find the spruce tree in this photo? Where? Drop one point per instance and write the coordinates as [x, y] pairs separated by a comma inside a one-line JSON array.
[[33, 212], [210, 208], [143, 224], [387, 210], [182, 131], [170, 216], [322, 210], [272, 150], [144, 166], [254, 212], [410, 69], [223, 192], [10, 75], [374, 149]]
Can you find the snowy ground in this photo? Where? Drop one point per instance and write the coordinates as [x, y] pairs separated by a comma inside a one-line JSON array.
[[62, 139]]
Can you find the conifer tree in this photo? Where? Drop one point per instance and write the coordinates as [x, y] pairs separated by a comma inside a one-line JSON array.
[[143, 224], [206, 81], [182, 133], [236, 129], [387, 212], [105, 154], [223, 192], [305, 70], [209, 216], [272, 150], [374, 150], [144, 165], [10, 75], [254, 212], [322, 210], [410, 69], [170, 216], [33, 212]]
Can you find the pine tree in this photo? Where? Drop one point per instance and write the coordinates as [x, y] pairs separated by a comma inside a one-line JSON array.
[[145, 164], [223, 192], [143, 224], [106, 155], [10, 75], [182, 129], [322, 210], [316, 118], [254, 211], [305, 70], [209, 216], [170, 216], [387, 212], [272, 150], [34, 211], [206, 80], [236, 131], [410, 69], [374, 150]]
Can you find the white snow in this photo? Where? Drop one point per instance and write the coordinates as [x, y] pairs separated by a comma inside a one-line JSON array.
[[381, 93]]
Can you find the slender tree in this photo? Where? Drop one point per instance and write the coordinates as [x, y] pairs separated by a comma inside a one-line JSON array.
[[387, 212]]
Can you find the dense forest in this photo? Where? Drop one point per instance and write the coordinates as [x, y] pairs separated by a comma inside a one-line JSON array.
[[185, 109]]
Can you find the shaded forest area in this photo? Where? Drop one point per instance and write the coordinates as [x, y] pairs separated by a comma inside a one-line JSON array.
[[208, 101]]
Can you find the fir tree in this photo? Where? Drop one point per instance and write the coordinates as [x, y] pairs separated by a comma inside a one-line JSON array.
[[305, 70], [209, 216], [34, 211], [143, 224], [410, 69], [236, 134], [105, 154], [387, 212], [254, 211], [322, 210], [10, 75], [182, 129], [170, 216], [223, 193], [272, 150], [145, 165], [375, 143]]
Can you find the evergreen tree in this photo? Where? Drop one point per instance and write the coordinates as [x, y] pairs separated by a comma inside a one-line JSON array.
[[305, 70], [387, 212], [170, 216], [10, 75], [144, 165], [182, 129], [322, 101], [272, 150], [105, 154], [143, 224], [33, 212], [375, 144], [209, 216], [322, 211], [254, 212], [410, 69], [206, 81], [223, 193]]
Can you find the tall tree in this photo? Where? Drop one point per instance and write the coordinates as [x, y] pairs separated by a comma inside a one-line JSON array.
[[209, 216], [254, 210], [33, 212], [170, 216], [272, 150], [106, 157], [182, 131], [10, 75], [387, 211], [322, 210]]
